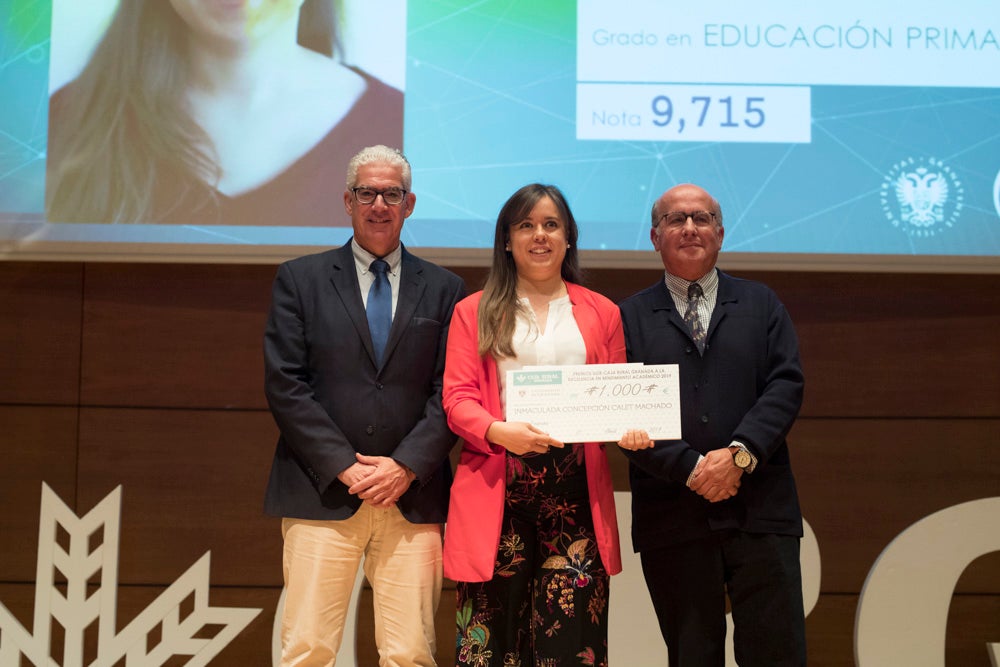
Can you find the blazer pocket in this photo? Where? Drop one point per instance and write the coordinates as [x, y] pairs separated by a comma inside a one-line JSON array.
[[421, 322], [422, 337]]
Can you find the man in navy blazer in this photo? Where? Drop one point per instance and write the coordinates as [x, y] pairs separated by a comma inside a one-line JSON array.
[[716, 513], [361, 467]]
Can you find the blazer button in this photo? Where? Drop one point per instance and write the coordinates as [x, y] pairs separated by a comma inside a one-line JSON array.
[[379, 386], [370, 430], [704, 419], [688, 350]]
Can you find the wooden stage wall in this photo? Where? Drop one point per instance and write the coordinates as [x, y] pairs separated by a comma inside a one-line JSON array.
[[149, 376]]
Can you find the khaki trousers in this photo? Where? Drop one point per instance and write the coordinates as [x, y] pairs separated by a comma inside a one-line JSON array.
[[402, 562]]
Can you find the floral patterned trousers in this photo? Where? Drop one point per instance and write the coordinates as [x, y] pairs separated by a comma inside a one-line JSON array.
[[547, 603]]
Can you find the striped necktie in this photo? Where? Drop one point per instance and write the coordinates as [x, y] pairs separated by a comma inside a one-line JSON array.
[[691, 316]]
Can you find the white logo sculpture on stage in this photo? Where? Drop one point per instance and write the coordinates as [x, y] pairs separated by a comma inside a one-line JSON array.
[[83, 561]]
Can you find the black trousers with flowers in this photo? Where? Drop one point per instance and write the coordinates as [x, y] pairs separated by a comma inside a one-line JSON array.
[[547, 603]]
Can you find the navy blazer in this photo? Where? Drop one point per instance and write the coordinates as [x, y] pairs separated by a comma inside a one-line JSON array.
[[747, 386], [330, 400]]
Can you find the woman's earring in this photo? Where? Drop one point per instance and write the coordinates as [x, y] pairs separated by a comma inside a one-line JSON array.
[[569, 245]]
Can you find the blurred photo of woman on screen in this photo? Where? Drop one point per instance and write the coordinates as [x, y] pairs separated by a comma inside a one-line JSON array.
[[215, 112]]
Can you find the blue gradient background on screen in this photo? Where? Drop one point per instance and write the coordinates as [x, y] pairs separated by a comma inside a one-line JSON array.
[[491, 105], [24, 104], [491, 92]]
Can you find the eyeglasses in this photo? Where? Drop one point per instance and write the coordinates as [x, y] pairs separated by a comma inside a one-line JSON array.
[[391, 196], [679, 218]]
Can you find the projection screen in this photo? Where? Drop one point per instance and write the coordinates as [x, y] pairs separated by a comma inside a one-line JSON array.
[[848, 135]]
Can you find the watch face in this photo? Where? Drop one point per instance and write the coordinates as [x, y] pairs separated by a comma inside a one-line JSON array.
[[742, 458]]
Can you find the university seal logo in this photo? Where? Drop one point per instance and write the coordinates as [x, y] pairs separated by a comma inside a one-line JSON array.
[[922, 196]]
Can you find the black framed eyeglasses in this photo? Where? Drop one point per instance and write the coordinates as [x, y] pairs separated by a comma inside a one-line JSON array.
[[391, 196], [680, 218]]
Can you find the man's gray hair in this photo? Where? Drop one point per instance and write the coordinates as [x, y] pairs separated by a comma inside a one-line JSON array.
[[379, 155]]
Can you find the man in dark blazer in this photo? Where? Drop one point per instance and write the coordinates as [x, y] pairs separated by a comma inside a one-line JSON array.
[[361, 466], [716, 513]]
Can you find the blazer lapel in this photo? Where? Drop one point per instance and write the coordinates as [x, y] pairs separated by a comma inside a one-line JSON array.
[[662, 301], [411, 289], [344, 277], [725, 297]]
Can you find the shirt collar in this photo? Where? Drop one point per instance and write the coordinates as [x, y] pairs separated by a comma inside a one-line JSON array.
[[363, 259], [679, 286]]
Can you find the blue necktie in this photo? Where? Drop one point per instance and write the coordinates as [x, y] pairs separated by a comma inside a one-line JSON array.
[[691, 316], [379, 308]]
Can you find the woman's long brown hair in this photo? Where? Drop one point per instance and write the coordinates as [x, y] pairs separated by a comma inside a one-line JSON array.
[[499, 306]]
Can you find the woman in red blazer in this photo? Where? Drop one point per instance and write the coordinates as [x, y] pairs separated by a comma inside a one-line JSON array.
[[532, 537]]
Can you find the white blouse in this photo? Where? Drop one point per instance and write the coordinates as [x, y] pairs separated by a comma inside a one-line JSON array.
[[560, 343]]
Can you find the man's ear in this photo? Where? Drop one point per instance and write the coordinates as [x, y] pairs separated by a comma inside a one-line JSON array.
[[348, 202]]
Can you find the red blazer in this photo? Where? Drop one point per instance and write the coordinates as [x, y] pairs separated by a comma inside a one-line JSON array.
[[471, 399]]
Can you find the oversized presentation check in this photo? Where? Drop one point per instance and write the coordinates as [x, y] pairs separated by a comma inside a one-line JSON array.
[[596, 402]]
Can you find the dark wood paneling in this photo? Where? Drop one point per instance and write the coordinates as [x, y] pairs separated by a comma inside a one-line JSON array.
[[973, 622], [862, 482], [619, 471], [899, 346], [38, 444], [900, 420], [882, 345], [872, 345], [829, 628], [40, 305], [193, 481], [174, 335], [830, 631], [473, 276]]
